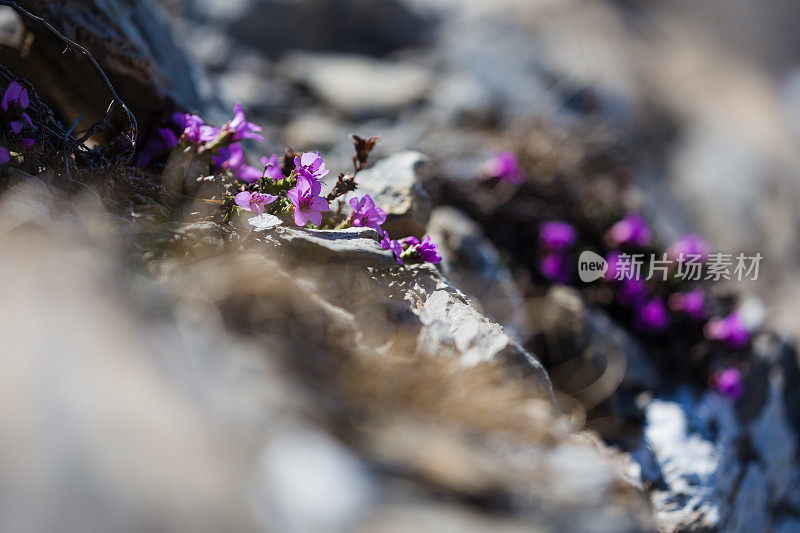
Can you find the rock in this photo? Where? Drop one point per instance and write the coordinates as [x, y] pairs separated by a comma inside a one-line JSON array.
[[688, 462], [372, 27], [285, 388], [308, 482], [132, 42], [448, 323], [353, 246], [395, 185], [461, 99], [486, 53], [355, 85], [720, 473], [473, 263], [593, 358], [314, 131]]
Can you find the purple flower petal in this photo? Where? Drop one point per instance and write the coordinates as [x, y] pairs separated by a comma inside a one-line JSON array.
[[240, 127], [554, 266], [505, 167], [691, 303], [630, 231], [310, 165], [394, 246], [5, 155], [557, 235], [729, 383], [651, 317], [687, 246], [730, 330], [11, 95], [320, 204], [273, 167], [365, 214], [300, 217], [243, 200]]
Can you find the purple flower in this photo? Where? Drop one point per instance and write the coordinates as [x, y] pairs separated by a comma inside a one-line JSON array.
[[240, 128], [310, 165], [688, 245], [28, 143], [5, 156], [157, 146], [394, 246], [504, 167], [691, 303], [632, 292], [15, 101], [308, 204], [428, 251], [253, 202], [729, 330], [231, 157], [365, 214], [194, 129], [556, 235], [15, 94], [631, 230], [170, 139], [729, 383], [246, 173], [555, 267], [415, 251], [651, 317], [272, 167]]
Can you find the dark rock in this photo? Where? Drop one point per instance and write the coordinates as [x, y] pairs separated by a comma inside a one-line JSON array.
[[594, 358], [373, 27]]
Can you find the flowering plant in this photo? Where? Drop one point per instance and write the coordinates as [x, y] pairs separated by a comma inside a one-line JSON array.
[[289, 186]]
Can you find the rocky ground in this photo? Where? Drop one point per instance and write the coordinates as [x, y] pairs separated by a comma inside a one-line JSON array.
[[292, 380]]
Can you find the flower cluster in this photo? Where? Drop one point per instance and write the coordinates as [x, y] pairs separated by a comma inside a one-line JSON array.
[[406, 250], [654, 303], [13, 108], [291, 185], [412, 250]]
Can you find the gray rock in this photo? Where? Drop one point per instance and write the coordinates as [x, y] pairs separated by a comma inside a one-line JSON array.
[[688, 463], [395, 185], [308, 482], [353, 246], [314, 131], [473, 263], [358, 85], [711, 480], [450, 325], [597, 359]]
